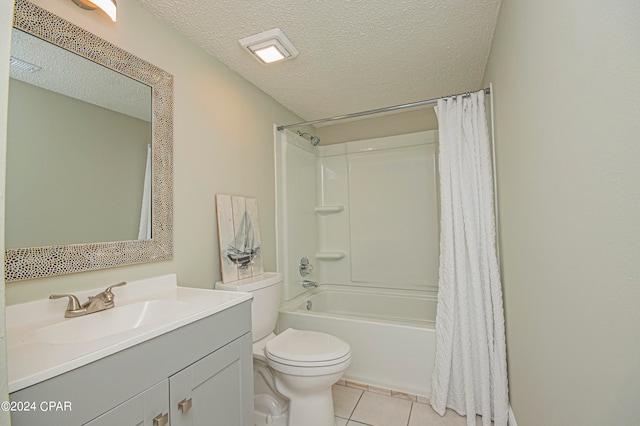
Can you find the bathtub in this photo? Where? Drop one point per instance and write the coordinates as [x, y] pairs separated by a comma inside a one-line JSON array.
[[391, 332]]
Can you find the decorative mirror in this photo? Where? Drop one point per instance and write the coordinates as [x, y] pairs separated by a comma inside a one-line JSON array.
[[92, 160]]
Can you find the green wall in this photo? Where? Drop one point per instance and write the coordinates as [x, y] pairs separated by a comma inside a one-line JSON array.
[[566, 88]]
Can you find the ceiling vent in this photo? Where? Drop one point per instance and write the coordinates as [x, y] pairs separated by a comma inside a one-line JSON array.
[[23, 65]]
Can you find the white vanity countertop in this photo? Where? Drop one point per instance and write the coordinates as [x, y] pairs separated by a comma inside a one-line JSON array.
[[33, 358]]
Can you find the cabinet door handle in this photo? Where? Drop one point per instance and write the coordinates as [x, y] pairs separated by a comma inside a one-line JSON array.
[[184, 405], [161, 420]]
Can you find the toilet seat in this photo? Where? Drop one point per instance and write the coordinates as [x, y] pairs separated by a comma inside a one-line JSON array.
[[307, 349], [258, 347]]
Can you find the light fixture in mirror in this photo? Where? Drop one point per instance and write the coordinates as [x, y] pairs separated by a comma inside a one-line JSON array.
[[40, 261], [107, 6]]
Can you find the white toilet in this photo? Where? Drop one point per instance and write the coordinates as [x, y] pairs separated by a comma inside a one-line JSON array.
[[293, 371]]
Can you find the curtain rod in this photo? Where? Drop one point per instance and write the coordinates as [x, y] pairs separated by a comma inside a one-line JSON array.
[[375, 111]]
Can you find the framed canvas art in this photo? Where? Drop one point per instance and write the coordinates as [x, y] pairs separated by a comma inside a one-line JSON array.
[[238, 237]]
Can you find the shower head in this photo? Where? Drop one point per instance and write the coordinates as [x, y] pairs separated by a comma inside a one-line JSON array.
[[313, 139]]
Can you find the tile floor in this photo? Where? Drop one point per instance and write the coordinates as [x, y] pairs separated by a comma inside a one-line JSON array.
[[357, 407]]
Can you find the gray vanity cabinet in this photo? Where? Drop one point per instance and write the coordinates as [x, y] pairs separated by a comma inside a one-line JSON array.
[[209, 391], [200, 374], [141, 410]]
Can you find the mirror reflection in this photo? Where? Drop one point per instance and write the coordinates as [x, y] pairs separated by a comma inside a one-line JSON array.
[[78, 150]]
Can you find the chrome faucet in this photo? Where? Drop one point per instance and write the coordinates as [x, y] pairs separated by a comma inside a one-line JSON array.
[[97, 303], [308, 284]]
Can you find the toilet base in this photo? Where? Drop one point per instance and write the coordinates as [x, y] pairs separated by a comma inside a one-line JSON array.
[[316, 411], [310, 398]]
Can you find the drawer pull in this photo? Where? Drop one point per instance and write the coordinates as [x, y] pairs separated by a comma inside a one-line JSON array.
[[184, 405], [161, 420]]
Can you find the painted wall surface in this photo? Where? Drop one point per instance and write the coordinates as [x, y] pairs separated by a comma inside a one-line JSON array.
[[567, 89], [378, 126], [223, 143], [75, 171], [6, 17]]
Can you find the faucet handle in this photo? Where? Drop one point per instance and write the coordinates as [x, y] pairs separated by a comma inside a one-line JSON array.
[[108, 290], [108, 295], [74, 303], [305, 267]]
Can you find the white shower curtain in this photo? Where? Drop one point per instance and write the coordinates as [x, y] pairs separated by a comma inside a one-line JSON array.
[[144, 230], [470, 374]]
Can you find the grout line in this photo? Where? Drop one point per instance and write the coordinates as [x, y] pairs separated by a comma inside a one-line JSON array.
[[410, 412], [363, 391], [355, 406]]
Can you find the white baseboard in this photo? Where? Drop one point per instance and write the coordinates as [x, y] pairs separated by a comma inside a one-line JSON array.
[[512, 417]]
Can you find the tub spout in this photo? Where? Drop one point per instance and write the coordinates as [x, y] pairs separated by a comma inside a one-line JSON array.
[[308, 284]]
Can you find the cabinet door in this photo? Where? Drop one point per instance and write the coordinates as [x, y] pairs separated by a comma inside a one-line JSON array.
[[149, 408], [217, 390]]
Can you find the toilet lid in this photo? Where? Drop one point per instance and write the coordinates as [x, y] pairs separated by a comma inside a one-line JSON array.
[[303, 346]]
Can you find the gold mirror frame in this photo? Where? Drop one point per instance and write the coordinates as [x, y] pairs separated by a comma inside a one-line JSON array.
[[37, 262]]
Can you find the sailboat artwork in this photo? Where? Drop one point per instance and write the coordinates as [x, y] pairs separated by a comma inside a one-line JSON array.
[[243, 251], [238, 237]]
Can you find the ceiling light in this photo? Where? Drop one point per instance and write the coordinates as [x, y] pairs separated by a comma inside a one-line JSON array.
[[269, 46], [107, 6], [269, 54]]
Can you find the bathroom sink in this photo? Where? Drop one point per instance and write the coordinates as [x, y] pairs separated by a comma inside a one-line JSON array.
[[42, 343], [113, 321]]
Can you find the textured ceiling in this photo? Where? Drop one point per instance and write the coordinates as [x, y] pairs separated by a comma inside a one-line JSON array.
[[355, 55]]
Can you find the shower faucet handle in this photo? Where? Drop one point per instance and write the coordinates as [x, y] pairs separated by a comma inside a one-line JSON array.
[[305, 267]]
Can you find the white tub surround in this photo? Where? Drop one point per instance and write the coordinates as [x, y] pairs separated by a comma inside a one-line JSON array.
[[377, 206], [38, 349], [296, 223], [391, 332], [365, 213]]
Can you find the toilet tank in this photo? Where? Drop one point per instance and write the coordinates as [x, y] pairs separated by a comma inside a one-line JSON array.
[[266, 290]]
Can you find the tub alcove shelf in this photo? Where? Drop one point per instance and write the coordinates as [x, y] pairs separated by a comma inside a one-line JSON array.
[[330, 255], [329, 209]]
